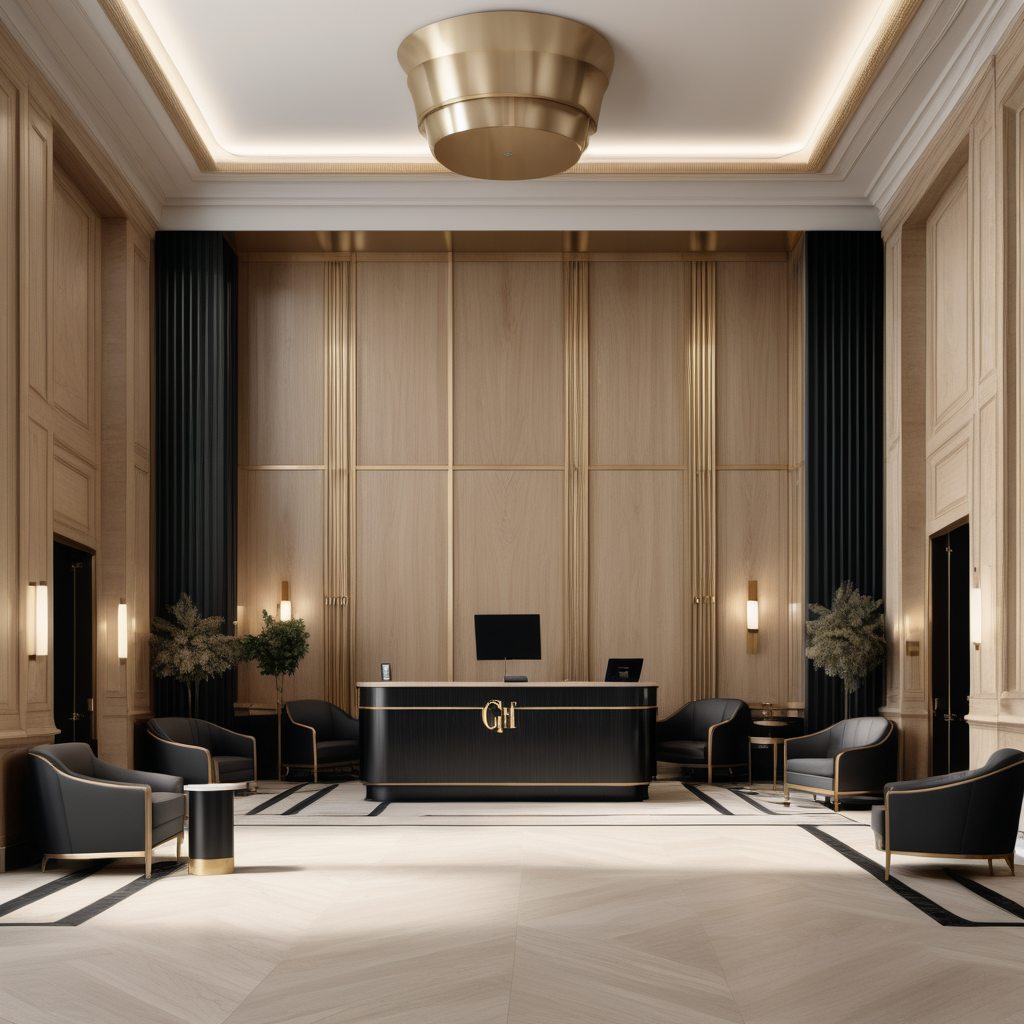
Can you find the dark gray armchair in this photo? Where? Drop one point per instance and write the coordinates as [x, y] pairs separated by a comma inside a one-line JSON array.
[[710, 733], [855, 757], [200, 751], [86, 808], [316, 734], [971, 815]]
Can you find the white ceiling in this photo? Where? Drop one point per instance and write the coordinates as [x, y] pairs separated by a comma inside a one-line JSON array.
[[320, 78]]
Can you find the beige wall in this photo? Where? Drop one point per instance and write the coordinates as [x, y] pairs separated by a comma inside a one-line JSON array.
[[75, 433], [478, 416], [953, 344]]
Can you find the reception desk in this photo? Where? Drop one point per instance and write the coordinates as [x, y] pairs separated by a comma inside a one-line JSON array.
[[507, 741]]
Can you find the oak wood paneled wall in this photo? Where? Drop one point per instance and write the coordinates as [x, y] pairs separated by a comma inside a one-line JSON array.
[[518, 441], [75, 431]]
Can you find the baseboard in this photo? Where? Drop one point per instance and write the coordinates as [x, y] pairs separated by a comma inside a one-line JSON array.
[[19, 855]]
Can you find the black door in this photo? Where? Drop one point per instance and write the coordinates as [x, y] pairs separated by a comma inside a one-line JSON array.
[[951, 650], [72, 644]]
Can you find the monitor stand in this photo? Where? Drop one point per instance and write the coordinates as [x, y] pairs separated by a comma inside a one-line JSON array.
[[513, 679]]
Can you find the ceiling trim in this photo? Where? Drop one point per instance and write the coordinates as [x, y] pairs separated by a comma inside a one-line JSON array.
[[888, 34]]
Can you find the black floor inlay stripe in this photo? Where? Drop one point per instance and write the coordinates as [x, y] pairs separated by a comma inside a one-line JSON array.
[[707, 799], [377, 810], [919, 900], [312, 798], [49, 888], [276, 799], [995, 898], [750, 800]]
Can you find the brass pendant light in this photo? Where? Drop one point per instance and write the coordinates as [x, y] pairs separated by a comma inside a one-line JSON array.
[[507, 95]]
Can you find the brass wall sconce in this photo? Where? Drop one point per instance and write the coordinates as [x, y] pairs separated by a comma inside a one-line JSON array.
[[752, 617], [286, 604], [122, 631], [976, 617], [37, 633]]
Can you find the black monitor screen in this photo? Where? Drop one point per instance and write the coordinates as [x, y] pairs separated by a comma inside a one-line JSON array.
[[516, 637], [624, 670]]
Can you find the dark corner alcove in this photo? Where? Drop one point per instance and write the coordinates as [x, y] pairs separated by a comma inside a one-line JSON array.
[[196, 443], [845, 392]]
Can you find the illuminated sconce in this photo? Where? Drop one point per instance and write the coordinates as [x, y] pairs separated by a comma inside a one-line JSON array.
[[976, 617], [286, 604], [752, 621], [38, 623], [122, 631]]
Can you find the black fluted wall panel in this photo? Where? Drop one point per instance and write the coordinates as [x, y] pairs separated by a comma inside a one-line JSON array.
[[196, 443], [845, 391]]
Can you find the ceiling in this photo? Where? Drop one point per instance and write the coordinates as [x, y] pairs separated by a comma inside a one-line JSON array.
[[734, 81]]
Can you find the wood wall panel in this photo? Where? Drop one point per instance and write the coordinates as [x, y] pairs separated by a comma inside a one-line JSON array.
[[753, 544], [950, 490], [752, 346], [74, 496], [38, 245], [139, 595], [39, 553], [402, 368], [639, 322], [509, 364], [950, 358], [281, 379], [76, 235], [509, 559], [639, 598], [401, 574], [143, 365], [283, 539]]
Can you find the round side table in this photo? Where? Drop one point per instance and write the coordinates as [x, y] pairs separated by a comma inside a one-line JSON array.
[[763, 741], [211, 827]]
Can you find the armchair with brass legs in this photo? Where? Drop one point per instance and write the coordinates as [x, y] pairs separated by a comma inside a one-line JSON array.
[[200, 751], [317, 734], [855, 757], [87, 809], [709, 733], [971, 815]]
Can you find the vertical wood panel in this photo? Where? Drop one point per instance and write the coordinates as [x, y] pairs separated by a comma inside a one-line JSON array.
[[39, 692], [509, 559], [639, 316], [402, 397], [139, 591], [283, 385], [143, 357], [37, 236], [283, 540], [639, 600], [401, 571], [509, 364], [752, 414]]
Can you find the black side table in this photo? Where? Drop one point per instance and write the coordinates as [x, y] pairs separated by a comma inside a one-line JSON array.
[[211, 827]]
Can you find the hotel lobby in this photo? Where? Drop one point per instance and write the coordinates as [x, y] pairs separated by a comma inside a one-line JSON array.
[[511, 517]]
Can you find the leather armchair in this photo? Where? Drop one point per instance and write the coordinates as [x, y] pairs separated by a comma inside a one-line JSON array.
[[316, 734], [199, 751], [972, 815], [86, 808], [710, 733], [854, 757]]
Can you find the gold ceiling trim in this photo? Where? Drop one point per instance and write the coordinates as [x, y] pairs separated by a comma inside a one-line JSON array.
[[889, 33]]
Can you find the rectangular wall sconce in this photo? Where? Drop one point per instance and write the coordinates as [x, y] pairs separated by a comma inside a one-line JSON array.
[[37, 634], [976, 617], [286, 603], [752, 618], [122, 631]]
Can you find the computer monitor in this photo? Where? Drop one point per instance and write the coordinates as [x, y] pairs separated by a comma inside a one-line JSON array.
[[623, 670], [501, 637]]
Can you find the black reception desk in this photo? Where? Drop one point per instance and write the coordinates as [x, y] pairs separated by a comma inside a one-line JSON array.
[[507, 741]]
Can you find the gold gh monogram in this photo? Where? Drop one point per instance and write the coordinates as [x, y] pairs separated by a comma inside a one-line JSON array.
[[498, 718]]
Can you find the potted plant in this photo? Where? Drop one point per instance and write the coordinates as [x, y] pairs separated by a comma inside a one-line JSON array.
[[847, 640], [190, 648], [277, 650]]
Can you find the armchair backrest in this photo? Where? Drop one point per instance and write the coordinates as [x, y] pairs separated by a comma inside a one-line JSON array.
[[196, 732], [314, 713], [856, 732], [76, 758], [694, 721]]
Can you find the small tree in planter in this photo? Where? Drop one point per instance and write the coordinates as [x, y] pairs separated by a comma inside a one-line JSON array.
[[190, 648], [277, 650], [847, 640]]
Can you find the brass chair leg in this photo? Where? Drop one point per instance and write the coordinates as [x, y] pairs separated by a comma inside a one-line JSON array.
[[177, 856], [991, 870], [1009, 864], [785, 792], [888, 855], [46, 857], [149, 862]]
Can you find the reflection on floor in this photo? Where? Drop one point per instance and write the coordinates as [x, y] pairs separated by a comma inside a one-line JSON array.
[[732, 917]]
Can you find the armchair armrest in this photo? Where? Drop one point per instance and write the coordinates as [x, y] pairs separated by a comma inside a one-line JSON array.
[[727, 741], [237, 744], [927, 820], [814, 744], [343, 726], [105, 816], [193, 764], [298, 741], [675, 727], [156, 782], [868, 768]]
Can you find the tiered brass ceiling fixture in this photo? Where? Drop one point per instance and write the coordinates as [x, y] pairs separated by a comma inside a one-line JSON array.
[[507, 94]]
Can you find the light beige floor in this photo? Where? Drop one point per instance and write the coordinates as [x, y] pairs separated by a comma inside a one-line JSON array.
[[535, 924]]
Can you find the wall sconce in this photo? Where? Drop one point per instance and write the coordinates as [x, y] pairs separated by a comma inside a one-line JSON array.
[[122, 631], [976, 617], [38, 621], [752, 620], [286, 604]]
